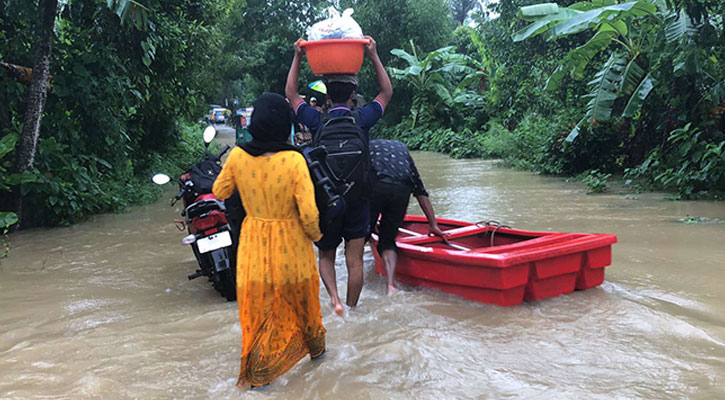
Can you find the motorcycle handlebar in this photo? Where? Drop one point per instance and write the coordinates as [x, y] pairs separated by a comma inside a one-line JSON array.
[[185, 187], [226, 148]]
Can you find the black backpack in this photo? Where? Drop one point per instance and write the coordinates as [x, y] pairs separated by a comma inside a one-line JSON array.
[[348, 155], [204, 173], [330, 204]]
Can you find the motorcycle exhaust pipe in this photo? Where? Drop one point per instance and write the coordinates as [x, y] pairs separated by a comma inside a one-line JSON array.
[[195, 275]]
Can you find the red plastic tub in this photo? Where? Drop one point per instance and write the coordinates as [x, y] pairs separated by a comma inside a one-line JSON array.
[[498, 265], [335, 56]]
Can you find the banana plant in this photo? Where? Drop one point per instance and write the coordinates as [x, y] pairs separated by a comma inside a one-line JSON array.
[[441, 78], [621, 30], [624, 74]]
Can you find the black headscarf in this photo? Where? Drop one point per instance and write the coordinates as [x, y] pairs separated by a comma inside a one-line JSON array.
[[270, 126]]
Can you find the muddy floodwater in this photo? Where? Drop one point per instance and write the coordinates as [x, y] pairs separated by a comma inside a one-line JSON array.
[[103, 309]]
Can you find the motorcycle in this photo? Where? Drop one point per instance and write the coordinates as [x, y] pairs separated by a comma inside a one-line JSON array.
[[210, 235]]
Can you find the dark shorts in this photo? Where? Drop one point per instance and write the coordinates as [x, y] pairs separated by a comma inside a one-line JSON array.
[[352, 224], [390, 202]]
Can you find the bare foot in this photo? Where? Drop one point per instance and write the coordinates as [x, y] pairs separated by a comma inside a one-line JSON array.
[[391, 289], [337, 307]]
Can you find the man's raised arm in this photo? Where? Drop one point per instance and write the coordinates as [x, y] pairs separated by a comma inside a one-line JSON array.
[[386, 88], [290, 89]]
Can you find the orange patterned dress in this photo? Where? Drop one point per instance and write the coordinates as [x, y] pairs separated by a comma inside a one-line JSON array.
[[277, 278]]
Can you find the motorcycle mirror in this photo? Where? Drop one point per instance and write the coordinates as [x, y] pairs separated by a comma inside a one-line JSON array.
[[209, 134], [161, 179]]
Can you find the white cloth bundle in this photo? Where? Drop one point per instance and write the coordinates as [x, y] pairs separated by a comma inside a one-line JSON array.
[[337, 27]]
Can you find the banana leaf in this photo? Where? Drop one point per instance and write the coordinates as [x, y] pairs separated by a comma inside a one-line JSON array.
[[640, 94], [592, 18], [536, 11], [7, 219], [632, 77], [577, 59], [678, 26], [542, 24]]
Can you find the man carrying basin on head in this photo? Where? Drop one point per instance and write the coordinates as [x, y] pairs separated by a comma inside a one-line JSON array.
[[396, 178], [354, 224]]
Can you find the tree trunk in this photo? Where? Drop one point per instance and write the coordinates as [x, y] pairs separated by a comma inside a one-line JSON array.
[[35, 100]]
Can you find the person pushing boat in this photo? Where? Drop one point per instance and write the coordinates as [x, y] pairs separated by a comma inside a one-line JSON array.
[[396, 177]]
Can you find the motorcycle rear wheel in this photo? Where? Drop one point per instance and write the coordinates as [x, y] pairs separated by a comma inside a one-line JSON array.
[[226, 284]]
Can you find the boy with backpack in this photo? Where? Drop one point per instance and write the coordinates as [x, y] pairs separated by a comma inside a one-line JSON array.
[[345, 135]]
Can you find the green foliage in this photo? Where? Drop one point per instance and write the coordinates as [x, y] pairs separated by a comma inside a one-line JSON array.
[[596, 181], [459, 144], [692, 162], [256, 42], [612, 23], [7, 219], [131, 11], [119, 92], [441, 82], [517, 71], [9, 180], [4, 245], [84, 185], [662, 70], [527, 146]]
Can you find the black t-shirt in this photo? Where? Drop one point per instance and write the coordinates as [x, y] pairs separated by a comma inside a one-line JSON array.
[[392, 159]]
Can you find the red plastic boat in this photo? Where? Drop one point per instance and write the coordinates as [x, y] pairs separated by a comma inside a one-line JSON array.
[[496, 264]]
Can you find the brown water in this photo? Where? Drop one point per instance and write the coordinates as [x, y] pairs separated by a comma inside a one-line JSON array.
[[103, 310]]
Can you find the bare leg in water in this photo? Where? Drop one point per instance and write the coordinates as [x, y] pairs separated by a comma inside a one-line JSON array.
[[329, 278], [390, 261], [354, 260]]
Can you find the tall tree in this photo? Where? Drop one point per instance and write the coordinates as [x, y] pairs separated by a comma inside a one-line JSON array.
[[130, 12], [38, 92], [258, 38]]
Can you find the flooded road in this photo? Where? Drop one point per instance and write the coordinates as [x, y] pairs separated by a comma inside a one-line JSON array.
[[103, 309]]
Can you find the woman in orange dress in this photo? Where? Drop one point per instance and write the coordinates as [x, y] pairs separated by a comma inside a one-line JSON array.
[[277, 278]]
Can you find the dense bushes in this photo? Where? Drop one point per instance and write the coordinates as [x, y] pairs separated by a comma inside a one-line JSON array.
[[691, 162], [459, 144], [70, 187]]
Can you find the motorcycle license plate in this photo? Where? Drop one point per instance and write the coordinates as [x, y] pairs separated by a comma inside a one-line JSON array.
[[213, 242]]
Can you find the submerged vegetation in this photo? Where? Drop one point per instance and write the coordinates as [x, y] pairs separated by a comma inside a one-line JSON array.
[[601, 87]]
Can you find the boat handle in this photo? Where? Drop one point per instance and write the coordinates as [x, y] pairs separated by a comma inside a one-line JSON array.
[[413, 233]]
